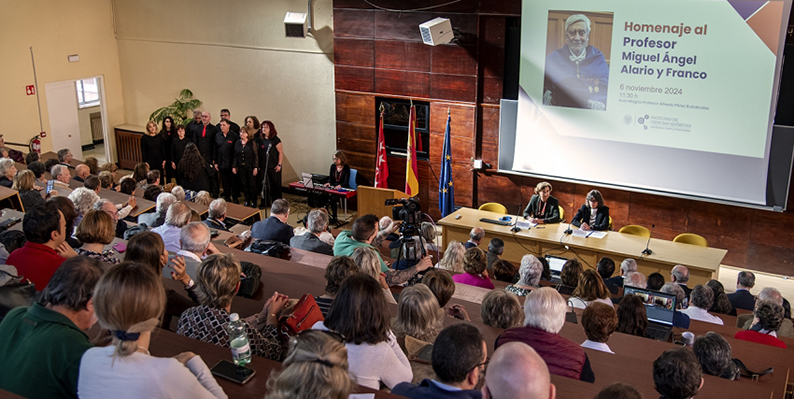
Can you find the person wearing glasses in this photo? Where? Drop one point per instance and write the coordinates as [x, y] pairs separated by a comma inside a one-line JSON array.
[[459, 358]]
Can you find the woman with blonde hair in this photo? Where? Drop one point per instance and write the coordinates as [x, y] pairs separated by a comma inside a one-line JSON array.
[[418, 314], [316, 367], [153, 148], [369, 263], [203, 198], [591, 288], [95, 231], [31, 197], [453, 257], [129, 301]]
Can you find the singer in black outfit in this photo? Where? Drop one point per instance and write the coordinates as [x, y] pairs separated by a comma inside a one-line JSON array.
[[168, 131], [204, 138], [246, 166], [153, 148], [224, 156], [593, 215], [338, 177], [271, 153], [178, 144], [542, 207]]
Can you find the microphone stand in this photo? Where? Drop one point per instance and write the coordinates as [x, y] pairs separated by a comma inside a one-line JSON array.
[[515, 228], [569, 230], [647, 250], [265, 194]]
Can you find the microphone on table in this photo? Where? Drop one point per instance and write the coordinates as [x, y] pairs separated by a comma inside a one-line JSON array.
[[647, 251], [569, 230], [515, 228]]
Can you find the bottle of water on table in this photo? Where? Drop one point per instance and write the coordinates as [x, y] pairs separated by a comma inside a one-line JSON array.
[[238, 341]]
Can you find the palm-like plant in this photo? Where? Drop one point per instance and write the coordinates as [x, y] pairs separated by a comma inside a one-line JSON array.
[[181, 109]]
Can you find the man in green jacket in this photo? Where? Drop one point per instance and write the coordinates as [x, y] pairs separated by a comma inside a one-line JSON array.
[[365, 230], [42, 344]]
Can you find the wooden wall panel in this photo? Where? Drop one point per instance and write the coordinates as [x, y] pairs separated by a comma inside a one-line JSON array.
[[355, 108], [354, 23], [402, 83], [354, 78], [404, 56], [463, 119], [361, 146], [354, 52], [451, 59], [346, 130], [453, 87]]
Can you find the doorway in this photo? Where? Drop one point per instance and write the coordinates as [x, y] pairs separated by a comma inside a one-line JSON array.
[[78, 117]]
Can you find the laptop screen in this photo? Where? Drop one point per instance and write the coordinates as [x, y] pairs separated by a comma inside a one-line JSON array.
[[555, 263], [659, 306]]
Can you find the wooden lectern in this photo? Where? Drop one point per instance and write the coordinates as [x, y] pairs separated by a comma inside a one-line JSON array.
[[372, 200]]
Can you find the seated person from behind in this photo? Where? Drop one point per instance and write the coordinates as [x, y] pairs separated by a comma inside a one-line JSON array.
[[569, 276], [680, 275], [458, 359], [442, 285], [606, 268], [677, 374], [618, 390], [194, 246], [495, 249], [593, 215], [517, 371], [501, 309], [216, 215], [475, 237], [632, 316], [542, 207], [81, 172], [45, 230], [337, 271], [504, 271], [714, 355], [474, 268], [544, 317], [599, 322], [275, 227], [742, 298], [590, 289], [767, 318], [680, 319], [627, 266], [656, 281], [529, 276], [178, 216], [157, 218], [700, 301], [52, 332], [316, 224], [745, 321]]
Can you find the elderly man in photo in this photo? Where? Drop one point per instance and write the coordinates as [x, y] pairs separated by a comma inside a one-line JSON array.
[[65, 157], [577, 73], [316, 223], [195, 245], [702, 298], [177, 216], [745, 321], [680, 276], [217, 214], [157, 218], [475, 237], [81, 172], [742, 298], [61, 176]]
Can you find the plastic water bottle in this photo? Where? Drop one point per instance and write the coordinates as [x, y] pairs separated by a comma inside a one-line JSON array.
[[238, 341]]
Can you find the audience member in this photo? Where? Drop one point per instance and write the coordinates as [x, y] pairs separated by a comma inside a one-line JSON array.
[[93, 183], [368, 263], [714, 355], [315, 367], [360, 314], [429, 234], [546, 275], [679, 318], [767, 318], [418, 315], [495, 249], [95, 231], [178, 192], [38, 170], [677, 374], [459, 358], [591, 288], [129, 300], [275, 227], [618, 390], [119, 226], [81, 172], [216, 214], [61, 176], [529, 276], [680, 275], [656, 281], [442, 285], [93, 165], [48, 164], [152, 192], [544, 316], [194, 245], [42, 344], [606, 268], [128, 186], [65, 157], [721, 302], [501, 309], [700, 301], [569, 276], [316, 223], [66, 206], [505, 271], [599, 322], [31, 157], [627, 266], [474, 265], [45, 230], [83, 200], [742, 298], [157, 218], [453, 257], [217, 282], [139, 174], [152, 178], [635, 279], [517, 371], [632, 316], [203, 198], [7, 172], [745, 321], [28, 193], [177, 216], [475, 237], [339, 268]]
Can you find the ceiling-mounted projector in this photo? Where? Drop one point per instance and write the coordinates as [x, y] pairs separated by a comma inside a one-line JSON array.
[[437, 31], [295, 24]]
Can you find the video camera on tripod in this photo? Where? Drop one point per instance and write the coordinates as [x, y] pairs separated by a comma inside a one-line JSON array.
[[412, 245]]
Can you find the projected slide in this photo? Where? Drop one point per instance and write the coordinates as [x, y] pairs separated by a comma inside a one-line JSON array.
[[673, 80]]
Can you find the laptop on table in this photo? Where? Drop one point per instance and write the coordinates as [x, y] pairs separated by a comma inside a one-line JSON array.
[[660, 308]]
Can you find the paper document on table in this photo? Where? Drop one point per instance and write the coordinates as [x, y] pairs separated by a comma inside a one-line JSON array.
[[591, 233], [361, 396], [523, 224]]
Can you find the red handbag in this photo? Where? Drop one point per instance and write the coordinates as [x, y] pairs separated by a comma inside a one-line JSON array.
[[303, 316]]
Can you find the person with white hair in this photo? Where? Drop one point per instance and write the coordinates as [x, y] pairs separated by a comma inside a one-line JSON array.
[[679, 318], [178, 192], [81, 172], [194, 246], [475, 237], [635, 279], [83, 200], [7, 172], [577, 74], [627, 266], [316, 224], [529, 276], [157, 218], [544, 316], [216, 214], [177, 216], [745, 321], [61, 176], [517, 371], [680, 276]]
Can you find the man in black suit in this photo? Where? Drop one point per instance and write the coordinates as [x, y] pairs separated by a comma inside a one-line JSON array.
[[204, 137], [475, 237], [316, 223], [225, 114], [275, 227], [742, 298], [605, 268], [193, 125], [216, 215], [680, 276]]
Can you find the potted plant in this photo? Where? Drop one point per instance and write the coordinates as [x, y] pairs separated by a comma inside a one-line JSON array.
[[181, 109]]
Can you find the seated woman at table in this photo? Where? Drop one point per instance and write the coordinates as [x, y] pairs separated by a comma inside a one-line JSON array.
[[542, 207], [632, 316], [338, 177], [7, 172], [453, 257], [28, 192], [767, 319], [316, 367], [128, 301], [501, 309], [217, 282], [529, 276], [591, 288], [139, 174], [569, 276], [96, 230], [593, 215], [418, 322], [474, 265]]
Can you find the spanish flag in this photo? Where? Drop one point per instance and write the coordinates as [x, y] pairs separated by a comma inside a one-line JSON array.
[[411, 174]]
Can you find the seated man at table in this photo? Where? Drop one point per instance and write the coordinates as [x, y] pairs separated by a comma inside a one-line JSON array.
[[742, 298], [45, 230], [61, 176], [458, 359], [216, 215], [606, 268], [362, 234], [767, 319], [42, 344], [517, 371], [316, 223], [680, 319], [178, 216], [544, 316], [714, 354], [194, 246], [111, 209], [157, 218], [680, 276], [65, 157], [677, 374], [92, 183], [275, 227], [475, 237], [81, 172], [700, 302], [745, 321]]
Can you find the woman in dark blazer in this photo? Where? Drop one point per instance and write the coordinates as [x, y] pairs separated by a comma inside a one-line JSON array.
[[542, 207], [593, 215], [245, 165]]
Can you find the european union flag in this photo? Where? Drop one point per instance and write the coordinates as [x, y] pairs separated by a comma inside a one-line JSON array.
[[446, 190]]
